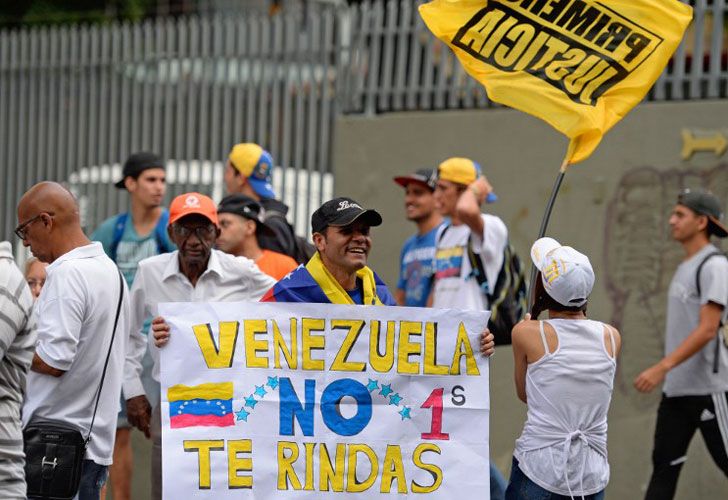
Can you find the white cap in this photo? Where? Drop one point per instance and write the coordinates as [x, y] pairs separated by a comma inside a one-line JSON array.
[[566, 274]]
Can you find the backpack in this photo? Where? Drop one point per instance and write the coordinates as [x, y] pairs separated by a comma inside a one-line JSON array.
[[302, 250], [508, 298], [160, 234], [722, 326]]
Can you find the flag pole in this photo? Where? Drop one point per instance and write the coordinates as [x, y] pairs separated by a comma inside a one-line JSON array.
[[544, 225]]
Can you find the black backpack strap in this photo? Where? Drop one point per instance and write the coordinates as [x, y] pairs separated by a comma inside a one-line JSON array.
[[478, 270], [108, 355], [716, 351]]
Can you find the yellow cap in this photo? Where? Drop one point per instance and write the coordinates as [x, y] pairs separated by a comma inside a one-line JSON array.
[[458, 170], [244, 157]]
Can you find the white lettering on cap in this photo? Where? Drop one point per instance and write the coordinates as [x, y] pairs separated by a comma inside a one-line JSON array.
[[343, 205], [192, 201]]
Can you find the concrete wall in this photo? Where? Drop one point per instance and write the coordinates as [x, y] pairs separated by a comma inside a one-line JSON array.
[[614, 207]]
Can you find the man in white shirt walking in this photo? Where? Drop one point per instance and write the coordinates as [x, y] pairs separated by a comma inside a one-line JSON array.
[[196, 272], [76, 314], [695, 366]]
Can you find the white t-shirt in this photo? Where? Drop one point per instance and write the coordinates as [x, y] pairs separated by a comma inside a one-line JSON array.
[[159, 279], [695, 376], [455, 287], [76, 313]]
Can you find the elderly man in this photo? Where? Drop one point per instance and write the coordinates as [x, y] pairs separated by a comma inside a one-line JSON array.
[[196, 272], [76, 320], [17, 341]]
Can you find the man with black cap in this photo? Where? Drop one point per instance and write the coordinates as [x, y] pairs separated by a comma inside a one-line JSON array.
[[416, 262], [338, 272], [128, 238], [240, 228], [695, 366]]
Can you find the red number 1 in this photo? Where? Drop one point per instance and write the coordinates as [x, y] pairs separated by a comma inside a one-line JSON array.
[[434, 401]]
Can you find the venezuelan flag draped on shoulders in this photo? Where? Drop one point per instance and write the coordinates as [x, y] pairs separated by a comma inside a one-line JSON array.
[[580, 65], [313, 283]]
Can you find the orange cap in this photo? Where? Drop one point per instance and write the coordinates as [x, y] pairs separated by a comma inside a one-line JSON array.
[[192, 203]]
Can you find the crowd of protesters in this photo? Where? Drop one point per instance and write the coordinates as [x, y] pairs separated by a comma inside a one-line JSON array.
[[58, 321]]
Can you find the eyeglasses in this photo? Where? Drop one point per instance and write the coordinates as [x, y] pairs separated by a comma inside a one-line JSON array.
[[22, 229], [202, 232]]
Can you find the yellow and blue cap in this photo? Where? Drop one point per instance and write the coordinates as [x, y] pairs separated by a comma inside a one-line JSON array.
[[255, 163]]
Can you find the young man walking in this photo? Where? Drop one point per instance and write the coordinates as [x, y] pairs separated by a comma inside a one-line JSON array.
[[695, 366]]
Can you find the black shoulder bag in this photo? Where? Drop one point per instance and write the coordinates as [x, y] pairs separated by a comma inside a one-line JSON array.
[[716, 353], [54, 451]]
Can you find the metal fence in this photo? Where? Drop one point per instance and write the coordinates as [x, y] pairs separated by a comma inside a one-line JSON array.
[[75, 101], [395, 64]]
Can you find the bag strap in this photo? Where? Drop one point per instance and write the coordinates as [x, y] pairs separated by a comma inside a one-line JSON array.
[[716, 351], [476, 264], [119, 227], [108, 354], [160, 233]]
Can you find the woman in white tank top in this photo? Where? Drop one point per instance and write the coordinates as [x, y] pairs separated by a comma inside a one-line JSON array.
[[564, 372]]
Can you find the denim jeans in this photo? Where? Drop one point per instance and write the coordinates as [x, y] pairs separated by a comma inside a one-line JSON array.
[[93, 477], [497, 484], [522, 488]]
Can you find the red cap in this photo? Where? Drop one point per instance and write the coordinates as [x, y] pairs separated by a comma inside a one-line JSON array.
[[192, 203]]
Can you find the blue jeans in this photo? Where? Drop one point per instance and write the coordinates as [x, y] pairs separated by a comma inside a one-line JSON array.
[[497, 484], [93, 478], [522, 488]]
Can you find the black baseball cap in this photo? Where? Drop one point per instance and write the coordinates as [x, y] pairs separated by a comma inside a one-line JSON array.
[[342, 212], [247, 207], [425, 176], [138, 163], [705, 203]]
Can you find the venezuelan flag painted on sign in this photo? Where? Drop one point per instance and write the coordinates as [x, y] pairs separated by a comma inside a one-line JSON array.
[[580, 65], [204, 405]]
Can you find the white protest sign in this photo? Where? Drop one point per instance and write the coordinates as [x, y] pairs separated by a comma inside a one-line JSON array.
[[265, 400]]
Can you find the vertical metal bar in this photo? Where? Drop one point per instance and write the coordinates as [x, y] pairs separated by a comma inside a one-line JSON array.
[[214, 145], [277, 87], [415, 60], [192, 91], [263, 104], [23, 99], [405, 38], [678, 72], [231, 80], [170, 61], [696, 69], [183, 75], [208, 65], [289, 43], [54, 89], [716, 48], [242, 64], [127, 79], [374, 65], [386, 71], [12, 46], [136, 65], [146, 71], [81, 70], [254, 68], [72, 98], [156, 32]]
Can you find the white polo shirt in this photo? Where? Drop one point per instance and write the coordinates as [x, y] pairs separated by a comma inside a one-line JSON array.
[[159, 279], [76, 314]]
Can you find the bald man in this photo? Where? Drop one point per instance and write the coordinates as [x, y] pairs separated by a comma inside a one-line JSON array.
[[76, 316]]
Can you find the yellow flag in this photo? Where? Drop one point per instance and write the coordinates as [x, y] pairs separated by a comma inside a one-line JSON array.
[[580, 65]]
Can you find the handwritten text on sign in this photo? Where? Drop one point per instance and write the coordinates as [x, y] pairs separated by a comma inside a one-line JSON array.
[[297, 400]]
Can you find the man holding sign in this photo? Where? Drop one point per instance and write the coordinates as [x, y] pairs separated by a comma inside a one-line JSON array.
[[194, 273], [337, 274]]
